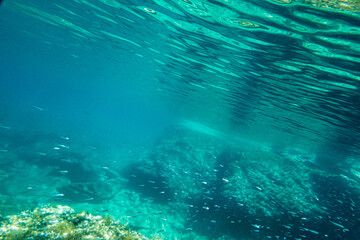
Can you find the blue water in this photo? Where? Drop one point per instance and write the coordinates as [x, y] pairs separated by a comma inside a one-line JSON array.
[[73, 100], [185, 119]]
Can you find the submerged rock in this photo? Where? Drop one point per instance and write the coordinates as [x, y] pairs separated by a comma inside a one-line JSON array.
[[61, 222], [210, 173], [269, 184]]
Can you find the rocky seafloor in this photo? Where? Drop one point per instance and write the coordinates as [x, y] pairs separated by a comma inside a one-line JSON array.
[[239, 190], [190, 185], [61, 222]]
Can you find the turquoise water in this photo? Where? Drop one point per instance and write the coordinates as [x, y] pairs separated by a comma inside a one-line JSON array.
[[185, 119]]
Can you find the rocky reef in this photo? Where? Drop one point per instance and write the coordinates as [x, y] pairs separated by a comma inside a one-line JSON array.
[[200, 168], [194, 183], [343, 5], [240, 189], [61, 222]]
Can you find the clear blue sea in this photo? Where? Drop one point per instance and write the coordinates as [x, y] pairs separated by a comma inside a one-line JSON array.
[[185, 119]]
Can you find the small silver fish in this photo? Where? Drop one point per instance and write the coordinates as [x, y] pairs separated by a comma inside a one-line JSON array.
[[62, 145], [337, 224], [38, 108], [256, 226], [67, 160], [58, 195]]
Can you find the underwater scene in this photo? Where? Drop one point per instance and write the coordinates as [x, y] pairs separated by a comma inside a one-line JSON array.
[[180, 119]]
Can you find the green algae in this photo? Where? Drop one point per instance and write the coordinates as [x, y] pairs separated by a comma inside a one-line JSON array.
[[61, 222]]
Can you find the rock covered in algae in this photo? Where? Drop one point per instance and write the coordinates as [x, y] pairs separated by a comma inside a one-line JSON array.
[[268, 183], [61, 222], [205, 173], [344, 5], [187, 160]]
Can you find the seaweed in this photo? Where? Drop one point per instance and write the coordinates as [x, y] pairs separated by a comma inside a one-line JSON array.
[[62, 222]]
